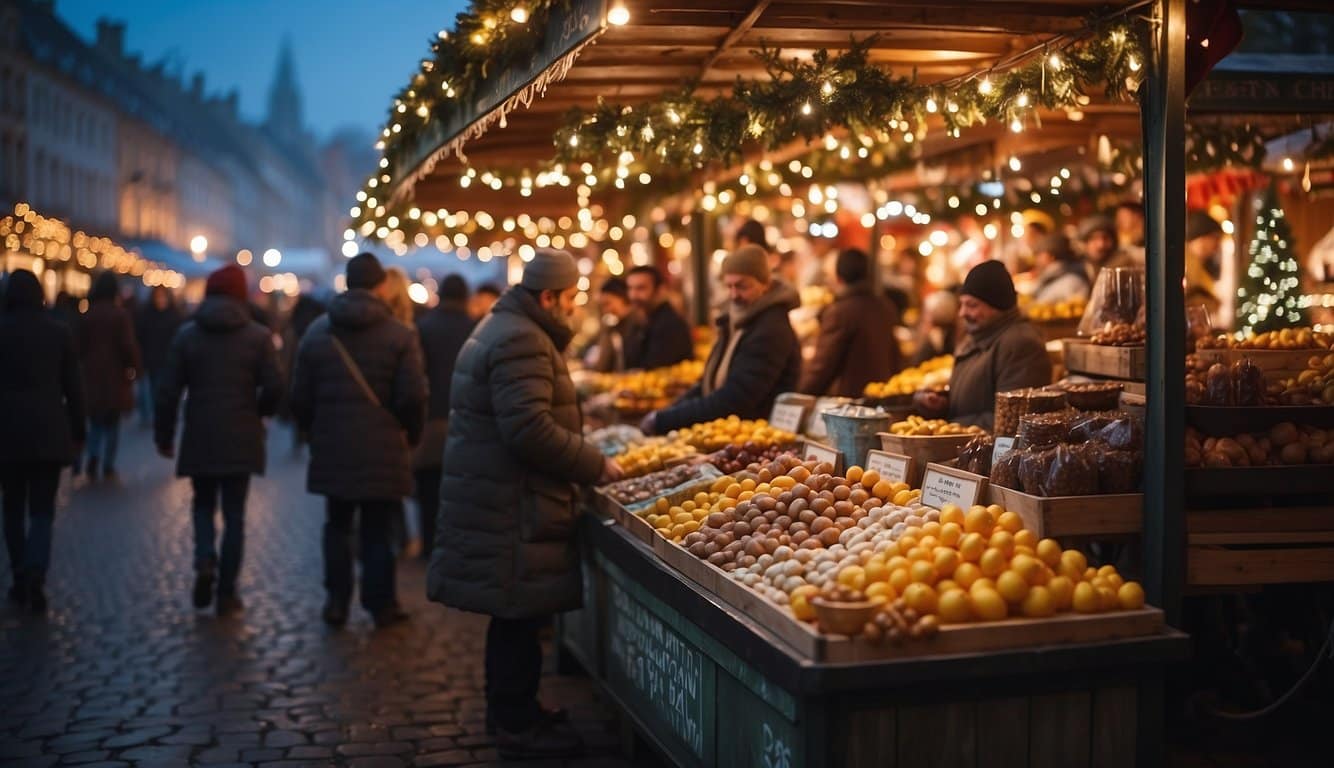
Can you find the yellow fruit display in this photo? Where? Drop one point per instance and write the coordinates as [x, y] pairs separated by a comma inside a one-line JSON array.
[[653, 455], [1285, 338], [1072, 309], [916, 426], [931, 373], [644, 391], [720, 433]]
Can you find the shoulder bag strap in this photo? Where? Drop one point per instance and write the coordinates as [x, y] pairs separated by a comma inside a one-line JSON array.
[[353, 369]]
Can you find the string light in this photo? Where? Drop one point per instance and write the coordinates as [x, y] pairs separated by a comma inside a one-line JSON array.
[[619, 15], [985, 86], [519, 14]]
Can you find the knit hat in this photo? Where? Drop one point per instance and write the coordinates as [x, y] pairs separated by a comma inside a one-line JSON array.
[[550, 270], [990, 282], [453, 288], [1098, 223], [1201, 224], [228, 281], [1057, 245], [748, 260], [364, 271]]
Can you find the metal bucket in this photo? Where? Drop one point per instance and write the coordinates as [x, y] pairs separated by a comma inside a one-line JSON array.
[[852, 430]]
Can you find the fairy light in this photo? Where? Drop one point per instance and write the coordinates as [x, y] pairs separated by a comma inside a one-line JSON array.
[[519, 14], [619, 15], [985, 86]]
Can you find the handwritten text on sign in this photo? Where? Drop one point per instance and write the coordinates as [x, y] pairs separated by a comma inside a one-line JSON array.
[[891, 466], [787, 416], [660, 666], [941, 486], [823, 452]]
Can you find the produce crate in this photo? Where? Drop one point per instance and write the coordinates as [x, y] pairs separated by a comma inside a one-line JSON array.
[[809, 642], [1277, 364], [1102, 360], [1293, 480], [924, 449], [1058, 516], [1229, 421], [1054, 330], [1272, 545]]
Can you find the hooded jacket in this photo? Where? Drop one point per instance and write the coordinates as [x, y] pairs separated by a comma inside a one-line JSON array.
[[504, 542], [227, 365], [856, 344], [41, 387], [1006, 354], [766, 362], [110, 352], [359, 450]]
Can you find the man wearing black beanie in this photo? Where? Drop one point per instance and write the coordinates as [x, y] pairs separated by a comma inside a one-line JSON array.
[[1002, 351]]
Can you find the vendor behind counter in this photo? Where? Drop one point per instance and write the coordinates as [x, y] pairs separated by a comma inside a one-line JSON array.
[[1001, 351]]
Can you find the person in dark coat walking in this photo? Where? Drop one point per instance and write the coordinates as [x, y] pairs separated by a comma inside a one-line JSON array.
[[110, 363], [756, 357], [42, 428], [508, 502], [359, 391], [856, 344], [155, 324], [442, 331], [665, 338], [229, 366]]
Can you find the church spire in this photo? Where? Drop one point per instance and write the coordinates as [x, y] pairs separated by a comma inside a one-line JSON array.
[[284, 119]]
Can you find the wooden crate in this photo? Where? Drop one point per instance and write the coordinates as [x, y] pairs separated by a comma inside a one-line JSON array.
[[1055, 330], [1101, 360], [1270, 545], [924, 449], [1277, 364], [1058, 516], [1255, 482], [1224, 421]]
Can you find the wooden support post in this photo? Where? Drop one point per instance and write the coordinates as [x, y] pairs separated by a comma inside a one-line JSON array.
[[1163, 109], [703, 237]]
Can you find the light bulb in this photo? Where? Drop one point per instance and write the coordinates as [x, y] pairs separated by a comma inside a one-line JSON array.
[[1054, 61], [984, 87], [618, 16], [806, 108], [931, 105], [519, 14], [1022, 100]]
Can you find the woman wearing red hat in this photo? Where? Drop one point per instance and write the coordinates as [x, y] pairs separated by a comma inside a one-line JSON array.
[[227, 362]]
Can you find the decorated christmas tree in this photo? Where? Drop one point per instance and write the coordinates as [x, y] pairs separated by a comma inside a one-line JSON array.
[[1268, 290]]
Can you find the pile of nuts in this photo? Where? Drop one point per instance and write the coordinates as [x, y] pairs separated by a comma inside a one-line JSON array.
[[1120, 335], [637, 489]]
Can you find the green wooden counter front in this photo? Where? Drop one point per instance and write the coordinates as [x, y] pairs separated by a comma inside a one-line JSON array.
[[706, 686]]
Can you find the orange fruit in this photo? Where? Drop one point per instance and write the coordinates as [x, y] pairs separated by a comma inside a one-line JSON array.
[[880, 592], [868, 479], [971, 547], [1130, 596], [1073, 564], [896, 562], [1049, 551], [951, 514], [1004, 541], [923, 572], [854, 474], [1108, 599], [1026, 538], [899, 579], [987, 604], [966, 574], [945, 585], [921, 598], [1010, 521], [1012, 587], [1062, 592], [993, 562], [931, 529], [951, 534], [1038, 603], [877, 571], [884, 490], [901, 498], [946, 560], [853, 577], [1027, 566], [979, 520], [1085, 598], [954, 607]]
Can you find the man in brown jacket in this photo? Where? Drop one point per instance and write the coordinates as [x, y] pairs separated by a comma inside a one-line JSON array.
[[1002, 351], [856, 344]]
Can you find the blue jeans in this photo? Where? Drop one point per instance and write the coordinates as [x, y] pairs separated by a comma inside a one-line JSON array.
[[104, 440], [233, 489], [378, 591], [29, 510], [144, 398]]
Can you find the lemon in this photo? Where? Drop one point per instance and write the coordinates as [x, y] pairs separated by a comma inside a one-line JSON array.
[[1038, 604], [899, 579], [921, 598], [954, 607], [1073, 564], [1010, 521], [972, 546], [979, 520], [952, 514], [1062, 592], [1028, 567], [923, 572], [902, 498], [1130, 596], [966, 574], [946, 560], [1026, 538], [992, 563], [951, 534], [987, 604], [880, 592], [853, 577], [1085, 598], [1012, 587], [1004, 541], [1049, 551]]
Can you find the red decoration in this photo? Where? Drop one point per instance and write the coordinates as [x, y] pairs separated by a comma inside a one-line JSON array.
[[1213, 30]]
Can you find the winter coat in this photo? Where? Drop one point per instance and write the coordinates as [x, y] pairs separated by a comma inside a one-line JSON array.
[[766, 363], [154, 329], [856, 344], [1061, 281], [613, 342], [227, 364], [663, 340], [41, 388], [442, 332], [110, 359], [1007, 354], [359, 450], [504, 541]]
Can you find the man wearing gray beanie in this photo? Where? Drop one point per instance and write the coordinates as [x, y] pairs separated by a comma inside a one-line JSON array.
[[514, 458], [757, 356]]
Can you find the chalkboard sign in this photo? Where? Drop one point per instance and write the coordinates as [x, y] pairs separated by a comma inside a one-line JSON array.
[[657, 672]]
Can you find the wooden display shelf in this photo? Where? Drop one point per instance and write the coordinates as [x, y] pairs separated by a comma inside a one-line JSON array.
[[1291, 480], [923, 450], [1102, 360], [1277, 364], [1057, 329], [1058, 516], [1229, 421], [1271, 545]]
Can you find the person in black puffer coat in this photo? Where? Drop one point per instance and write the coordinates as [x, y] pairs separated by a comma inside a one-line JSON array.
[[42, 428], [442, 332], [230, 368], [363, 413], [155, 325], [756, 357], [504, 544]]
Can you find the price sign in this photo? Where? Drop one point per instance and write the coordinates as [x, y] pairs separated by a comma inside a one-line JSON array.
[[944, 485], [823, 452], [1003, 446], [894, 467], [787, 417]]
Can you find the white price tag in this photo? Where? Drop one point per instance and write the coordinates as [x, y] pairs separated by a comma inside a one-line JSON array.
[[1003, 446], [823, 452], [787, 417], [943, 485], [894, 467]]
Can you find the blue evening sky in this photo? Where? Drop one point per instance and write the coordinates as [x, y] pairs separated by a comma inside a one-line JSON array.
[[351, 56]]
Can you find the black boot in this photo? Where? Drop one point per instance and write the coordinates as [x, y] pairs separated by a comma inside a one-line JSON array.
[[36, 595], [389, 615], [545, 739], [203, 591], [229, 605], [335, 611], [18, 591]]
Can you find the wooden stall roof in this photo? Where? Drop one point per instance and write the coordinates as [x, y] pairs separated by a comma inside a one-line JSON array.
[[666, 45]]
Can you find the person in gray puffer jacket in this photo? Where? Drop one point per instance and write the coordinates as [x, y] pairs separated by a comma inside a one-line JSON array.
[[359, 391], [504, 542], [228, 364]]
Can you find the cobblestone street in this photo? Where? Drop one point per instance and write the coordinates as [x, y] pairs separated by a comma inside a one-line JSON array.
[[123, 671]]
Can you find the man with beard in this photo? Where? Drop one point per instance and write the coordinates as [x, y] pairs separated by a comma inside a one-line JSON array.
[[665, 338], [756, 357], [1002, 351], [514, 459], [1101, 250]]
